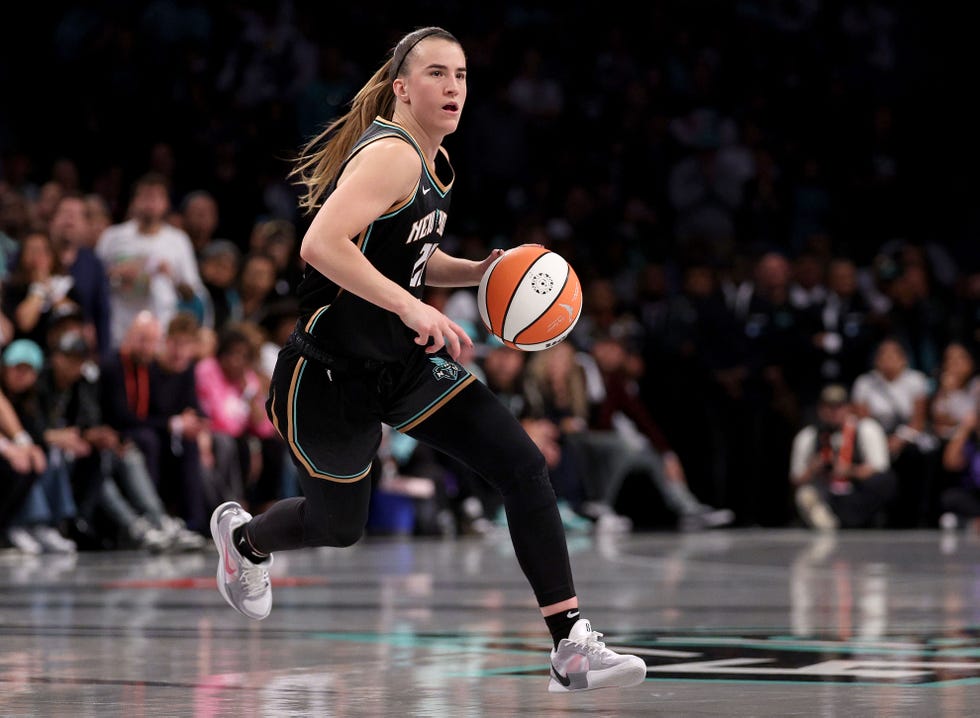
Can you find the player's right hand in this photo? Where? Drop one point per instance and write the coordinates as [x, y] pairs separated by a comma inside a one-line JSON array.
[[434, 329]]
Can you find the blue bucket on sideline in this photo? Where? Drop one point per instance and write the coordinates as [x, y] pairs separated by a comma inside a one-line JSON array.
[[391, 514]]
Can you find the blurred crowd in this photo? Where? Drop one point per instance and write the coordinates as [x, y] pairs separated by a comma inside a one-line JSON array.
[[742, 189]]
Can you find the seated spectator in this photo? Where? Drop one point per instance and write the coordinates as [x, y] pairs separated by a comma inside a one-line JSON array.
[[475, 501], [897, 397], [619, 410], [21, 461], [961, 456], [248, 452], [117, 502], [555, 390], [957, 392], [37, 287], [43, 516], [157, 410], [839, 467]]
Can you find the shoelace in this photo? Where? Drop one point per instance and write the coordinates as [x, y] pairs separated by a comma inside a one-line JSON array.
[[591, 642], [254, 580]]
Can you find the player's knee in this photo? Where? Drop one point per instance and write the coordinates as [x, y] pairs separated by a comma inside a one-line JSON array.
[[335, 536], [529, 480], [347, 536]]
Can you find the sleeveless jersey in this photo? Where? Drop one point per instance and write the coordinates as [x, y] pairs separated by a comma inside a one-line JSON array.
[[398, 244]]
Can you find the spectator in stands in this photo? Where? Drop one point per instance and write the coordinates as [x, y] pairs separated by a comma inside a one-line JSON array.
[[219, 265], [70, 230], [45, 512], [957, 391], [620, 411], [248, 452], [961, 457], [839, 467], [917, 318], [157, 410], [256, 285], [277, 239], [556, 391], [779, 385], [151, 265], [897, 397], [844, 328], [15, 221], [21, 461], [117, 503], [99, 216], [38, 287], [47, 199], [199, 218]]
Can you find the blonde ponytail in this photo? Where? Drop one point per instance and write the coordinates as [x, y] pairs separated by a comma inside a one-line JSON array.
[[321, 158]]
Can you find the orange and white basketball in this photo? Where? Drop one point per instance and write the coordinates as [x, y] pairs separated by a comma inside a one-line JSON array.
[[530, 298]]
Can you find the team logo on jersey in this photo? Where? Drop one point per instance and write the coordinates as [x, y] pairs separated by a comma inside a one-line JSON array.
[[443, 369]]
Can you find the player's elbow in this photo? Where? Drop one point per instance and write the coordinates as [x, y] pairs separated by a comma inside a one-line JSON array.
[[307, 252]]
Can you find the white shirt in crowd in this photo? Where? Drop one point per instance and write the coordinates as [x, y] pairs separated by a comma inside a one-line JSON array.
[[890, 402], [155, 289]]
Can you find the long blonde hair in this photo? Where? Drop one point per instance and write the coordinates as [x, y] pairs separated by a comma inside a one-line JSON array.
[[321, 159]]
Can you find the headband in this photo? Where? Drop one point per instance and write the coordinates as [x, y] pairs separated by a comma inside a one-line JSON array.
[[411, 47]]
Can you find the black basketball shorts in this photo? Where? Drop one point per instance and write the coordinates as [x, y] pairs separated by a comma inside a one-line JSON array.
[[331, 421]]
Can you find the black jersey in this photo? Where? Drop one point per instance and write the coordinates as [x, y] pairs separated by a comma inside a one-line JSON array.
[[399, 244]]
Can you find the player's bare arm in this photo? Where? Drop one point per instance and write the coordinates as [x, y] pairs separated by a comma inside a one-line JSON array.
[[444, 270], [380, 176]]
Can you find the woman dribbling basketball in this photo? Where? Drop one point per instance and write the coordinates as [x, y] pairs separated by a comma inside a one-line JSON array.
[[367, 350]]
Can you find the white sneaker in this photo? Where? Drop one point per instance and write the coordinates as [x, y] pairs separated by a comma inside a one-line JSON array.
[[146, 536], [706, 518], [582, 662], [22, 540], [605, 517], [813, 510], [181, 538], [243, 584], [51, 540]]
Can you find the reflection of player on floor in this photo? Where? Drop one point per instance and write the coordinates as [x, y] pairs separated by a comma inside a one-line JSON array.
[[367, 350]]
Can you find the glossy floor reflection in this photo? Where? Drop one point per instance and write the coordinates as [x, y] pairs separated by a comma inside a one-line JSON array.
[[737, 623]]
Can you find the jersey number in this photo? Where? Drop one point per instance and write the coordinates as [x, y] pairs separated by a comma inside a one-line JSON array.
[[424, 253]]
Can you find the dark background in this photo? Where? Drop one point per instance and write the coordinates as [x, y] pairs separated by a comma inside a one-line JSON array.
[[103, 82]]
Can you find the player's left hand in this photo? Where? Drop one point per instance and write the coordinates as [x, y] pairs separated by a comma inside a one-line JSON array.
[[483, 266]]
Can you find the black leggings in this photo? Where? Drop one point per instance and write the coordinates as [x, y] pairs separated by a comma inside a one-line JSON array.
[[476, 429]]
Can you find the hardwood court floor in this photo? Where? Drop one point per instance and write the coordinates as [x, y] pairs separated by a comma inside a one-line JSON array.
[[730, 623]]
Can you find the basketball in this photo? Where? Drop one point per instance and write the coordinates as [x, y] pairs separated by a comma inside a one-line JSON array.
[[530, 298]]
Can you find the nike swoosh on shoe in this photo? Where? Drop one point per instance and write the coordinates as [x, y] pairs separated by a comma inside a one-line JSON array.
[[564, 680]]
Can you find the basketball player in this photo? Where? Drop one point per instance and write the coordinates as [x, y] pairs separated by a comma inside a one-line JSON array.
[[367, 350]]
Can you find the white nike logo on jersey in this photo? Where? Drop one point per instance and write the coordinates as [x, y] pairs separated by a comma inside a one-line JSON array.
[[425, 190]]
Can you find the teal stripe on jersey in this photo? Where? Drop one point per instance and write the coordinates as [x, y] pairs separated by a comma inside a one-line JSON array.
[[435, 401]]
